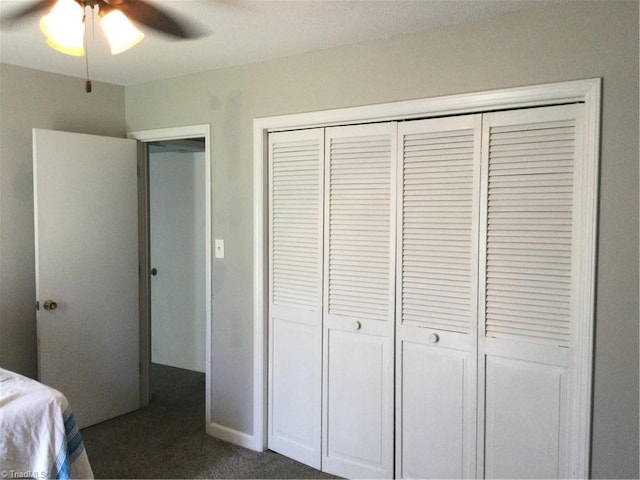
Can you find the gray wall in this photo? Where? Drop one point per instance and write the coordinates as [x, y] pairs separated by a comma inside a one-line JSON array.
[[581, 39], [34, 99], [576, 40]]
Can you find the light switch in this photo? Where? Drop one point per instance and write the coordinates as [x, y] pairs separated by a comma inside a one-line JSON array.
[[219, 248]]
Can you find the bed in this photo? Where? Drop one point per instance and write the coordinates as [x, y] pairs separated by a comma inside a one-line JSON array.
[[39, 437]]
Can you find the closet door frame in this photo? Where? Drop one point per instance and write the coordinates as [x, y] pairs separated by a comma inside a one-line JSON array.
[[587, 92]]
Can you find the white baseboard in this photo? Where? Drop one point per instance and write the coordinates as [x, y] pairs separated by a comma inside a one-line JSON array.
[[234, 436]]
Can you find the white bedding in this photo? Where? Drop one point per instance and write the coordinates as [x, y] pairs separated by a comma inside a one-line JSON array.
[[39, 437]]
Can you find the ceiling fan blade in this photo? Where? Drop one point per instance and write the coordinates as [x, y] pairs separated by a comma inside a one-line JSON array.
[[25, 12], [152, 17]]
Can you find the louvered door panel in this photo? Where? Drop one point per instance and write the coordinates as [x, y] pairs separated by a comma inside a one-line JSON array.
[[439, 194], [359, 226], [529, 231], [359, 300], [436, 312], [528, 263], [296, 162]]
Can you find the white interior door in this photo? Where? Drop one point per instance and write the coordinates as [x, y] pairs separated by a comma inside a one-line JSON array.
[[86, 237], [296, 161], [530, 298], [359, 300], [436, 312]]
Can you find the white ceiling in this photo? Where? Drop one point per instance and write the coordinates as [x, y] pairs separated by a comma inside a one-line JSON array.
[[241, 32]]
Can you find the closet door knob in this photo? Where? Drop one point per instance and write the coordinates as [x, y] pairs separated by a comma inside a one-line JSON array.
[[434, 338], [357, 325]]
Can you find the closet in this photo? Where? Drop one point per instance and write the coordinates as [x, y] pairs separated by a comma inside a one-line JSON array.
[[424, 283]]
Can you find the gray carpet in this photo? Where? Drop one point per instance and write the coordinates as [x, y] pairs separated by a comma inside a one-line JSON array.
[[167, 439]]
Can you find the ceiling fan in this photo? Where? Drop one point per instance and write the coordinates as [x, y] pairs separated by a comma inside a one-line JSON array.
[[139, 11], [64, 23]]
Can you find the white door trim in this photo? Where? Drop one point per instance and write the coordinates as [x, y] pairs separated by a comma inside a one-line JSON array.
[[175, 133], [587, 91]]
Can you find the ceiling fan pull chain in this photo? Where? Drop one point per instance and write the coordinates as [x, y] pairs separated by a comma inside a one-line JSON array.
[[87, 84], [93, 24]]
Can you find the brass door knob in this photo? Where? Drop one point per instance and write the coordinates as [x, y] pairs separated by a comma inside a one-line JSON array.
[[50, 305]]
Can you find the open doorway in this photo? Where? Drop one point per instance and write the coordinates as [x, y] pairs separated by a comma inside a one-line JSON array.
[[175, 260], [177, 252], [176, 182]]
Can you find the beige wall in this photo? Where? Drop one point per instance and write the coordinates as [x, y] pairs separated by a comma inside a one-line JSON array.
[[34, 99], [573, 41]]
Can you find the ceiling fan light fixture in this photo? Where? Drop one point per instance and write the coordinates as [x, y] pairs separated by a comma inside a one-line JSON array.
[[120, 32], [64, 27]]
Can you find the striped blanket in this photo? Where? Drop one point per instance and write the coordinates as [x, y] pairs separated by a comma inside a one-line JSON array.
[[39, 437]]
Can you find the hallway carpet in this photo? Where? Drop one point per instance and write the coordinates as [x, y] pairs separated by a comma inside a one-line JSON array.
[[167, 439]]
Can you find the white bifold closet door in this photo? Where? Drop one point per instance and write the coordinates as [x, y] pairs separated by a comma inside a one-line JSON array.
[[530, 293], [437, 269], [429, 294], [296, 163], [359, 255], [488, 295]]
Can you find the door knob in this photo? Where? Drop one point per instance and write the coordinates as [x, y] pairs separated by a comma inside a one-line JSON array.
[[434, 338], [50, 305], [357, 325], [154, 271]]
